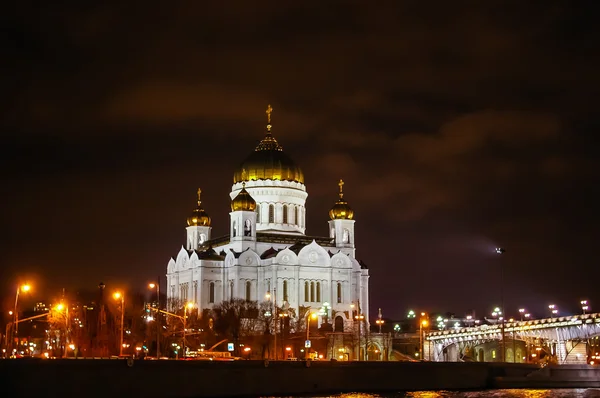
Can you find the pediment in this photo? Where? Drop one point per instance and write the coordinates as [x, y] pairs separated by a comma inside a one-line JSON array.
[[313, 254], [286, 256]]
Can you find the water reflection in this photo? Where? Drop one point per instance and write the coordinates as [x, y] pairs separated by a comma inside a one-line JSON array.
[[514, 393]]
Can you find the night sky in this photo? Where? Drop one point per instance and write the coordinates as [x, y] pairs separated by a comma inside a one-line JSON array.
[[457, 127]]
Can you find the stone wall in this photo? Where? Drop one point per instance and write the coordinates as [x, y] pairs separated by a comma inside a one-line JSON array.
[[160, 379]]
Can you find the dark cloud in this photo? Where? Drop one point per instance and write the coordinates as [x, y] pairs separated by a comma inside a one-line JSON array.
[[457, 127]]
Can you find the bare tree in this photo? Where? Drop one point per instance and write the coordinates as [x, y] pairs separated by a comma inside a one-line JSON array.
[[229, 316]]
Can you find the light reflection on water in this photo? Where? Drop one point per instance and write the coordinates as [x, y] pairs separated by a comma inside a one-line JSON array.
[[512, 393]]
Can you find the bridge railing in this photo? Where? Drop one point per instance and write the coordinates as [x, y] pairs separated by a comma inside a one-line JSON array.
[[517, 327]]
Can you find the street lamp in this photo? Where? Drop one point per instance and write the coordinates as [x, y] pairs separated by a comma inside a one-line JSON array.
[[121, 296], [423, 323], [359, 317], [380, 321], [157, 286], [522, 312], [500, 251], [309, 315], [25, 288], [553, 310], [584, 306], [188, 306]]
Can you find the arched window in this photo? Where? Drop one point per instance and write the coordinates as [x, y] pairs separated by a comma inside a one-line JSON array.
[[257, 212], [318, 292], [306, 294], [312, 292], [296, 216], [285, 214], [346, 236], [202, 238], [339, 292], [248, 228], [248, 290], [231, 290], [211, 292], [285, 291], [233, 230], [271, 214], [332, 235]]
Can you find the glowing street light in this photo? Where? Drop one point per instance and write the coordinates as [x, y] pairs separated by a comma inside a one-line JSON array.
[[121, 296], [188, 306], [584, 306], [153, 285], [422, 324], [553, 310], [15, 330], [379, 320], [522, 312], [309, 315]]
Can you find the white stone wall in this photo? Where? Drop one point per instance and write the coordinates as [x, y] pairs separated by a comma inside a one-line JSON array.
[[277, 193]]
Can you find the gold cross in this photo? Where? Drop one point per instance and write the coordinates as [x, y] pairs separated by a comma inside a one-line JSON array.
[[199, 192], [341, 184], [269, 111]]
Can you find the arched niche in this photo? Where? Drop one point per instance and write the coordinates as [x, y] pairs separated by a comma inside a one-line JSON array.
[[341, 260], [286, 256], [249, 257], [313, 254]]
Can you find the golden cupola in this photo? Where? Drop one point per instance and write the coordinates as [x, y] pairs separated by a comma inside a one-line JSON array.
[[243, 201], [268, 161], [198, 218], [341, 210]]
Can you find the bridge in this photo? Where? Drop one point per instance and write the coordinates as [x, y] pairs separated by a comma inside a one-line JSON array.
[[567, 339]]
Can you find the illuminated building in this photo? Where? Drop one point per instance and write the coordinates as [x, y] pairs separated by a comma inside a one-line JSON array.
[[267, 250]]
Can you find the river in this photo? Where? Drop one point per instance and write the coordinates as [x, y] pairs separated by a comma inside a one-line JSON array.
[[513, 393]]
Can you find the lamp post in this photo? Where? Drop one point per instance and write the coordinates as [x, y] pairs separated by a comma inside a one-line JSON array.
[[500, 251], [584, 306], [309, 315], [379, 321], [121, 296], [359, 317], [25, 288], [274, 318], [187, 307], [282, 316], [553, 310], [157, 320], [422, 324]]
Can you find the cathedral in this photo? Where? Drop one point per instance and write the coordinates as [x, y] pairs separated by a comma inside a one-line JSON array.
[[267, 255]]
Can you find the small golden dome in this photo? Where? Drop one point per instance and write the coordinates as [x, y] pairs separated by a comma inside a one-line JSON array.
[[198, 217], [243, 201], [268, 162], [341, 210]]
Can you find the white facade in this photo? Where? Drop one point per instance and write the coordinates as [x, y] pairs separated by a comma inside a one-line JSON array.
[[267, 251]]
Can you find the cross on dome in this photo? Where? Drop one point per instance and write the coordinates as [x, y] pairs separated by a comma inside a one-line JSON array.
[[268, 112], [199, 193], [341, 184]]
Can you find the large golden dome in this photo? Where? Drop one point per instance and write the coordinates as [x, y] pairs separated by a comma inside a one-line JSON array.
[[341, 210], [243, 201], [198, 217], [268, 162]]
